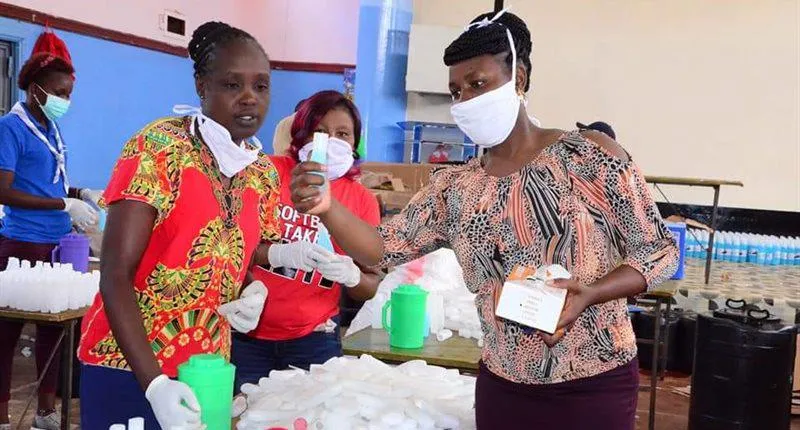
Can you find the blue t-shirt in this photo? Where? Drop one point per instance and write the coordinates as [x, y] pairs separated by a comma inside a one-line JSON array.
[[34, 166]]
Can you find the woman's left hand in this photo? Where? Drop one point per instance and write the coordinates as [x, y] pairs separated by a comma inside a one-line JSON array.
[[579, 297]]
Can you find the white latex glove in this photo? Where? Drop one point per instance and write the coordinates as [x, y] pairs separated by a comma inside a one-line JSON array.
[[305, 256], [243, 313], [167, 398], [81, 213], [91, 196], [341, 269], [239, 406]]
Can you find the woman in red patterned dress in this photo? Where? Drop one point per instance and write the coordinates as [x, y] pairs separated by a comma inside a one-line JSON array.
[[537, 196], [190, 201]]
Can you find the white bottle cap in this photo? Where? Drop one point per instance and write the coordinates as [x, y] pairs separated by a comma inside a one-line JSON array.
[[117, 427], [136, 423]]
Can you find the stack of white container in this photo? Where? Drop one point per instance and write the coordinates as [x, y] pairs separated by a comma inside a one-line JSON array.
[[745, 248], [46, 287], [362, 394]]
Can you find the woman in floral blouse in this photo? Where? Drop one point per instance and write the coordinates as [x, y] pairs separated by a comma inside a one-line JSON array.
[[537, 196]]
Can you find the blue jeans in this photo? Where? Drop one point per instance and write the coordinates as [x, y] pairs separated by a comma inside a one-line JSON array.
[[255, 358], [112, 396]]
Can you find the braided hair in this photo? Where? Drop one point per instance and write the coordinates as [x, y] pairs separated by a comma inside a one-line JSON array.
[[491, 39], [210, 36]]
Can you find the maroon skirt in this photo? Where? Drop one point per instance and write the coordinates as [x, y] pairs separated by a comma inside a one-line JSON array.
[[603, 402]]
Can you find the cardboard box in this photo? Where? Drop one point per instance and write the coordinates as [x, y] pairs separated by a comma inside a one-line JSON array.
[[393, 200], [395, 183], [413, 176], [526, 299]]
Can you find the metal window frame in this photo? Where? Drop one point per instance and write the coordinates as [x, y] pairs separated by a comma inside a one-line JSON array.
[[13, 50]]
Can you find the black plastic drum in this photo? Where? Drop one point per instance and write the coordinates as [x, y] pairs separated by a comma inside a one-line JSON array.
[[684, 345], [644, 326], [742, 378]]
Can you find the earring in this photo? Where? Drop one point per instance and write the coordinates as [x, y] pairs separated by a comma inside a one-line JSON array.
[[523, 99]]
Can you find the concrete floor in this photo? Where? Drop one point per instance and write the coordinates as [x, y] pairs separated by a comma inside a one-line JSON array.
[[671, 409]]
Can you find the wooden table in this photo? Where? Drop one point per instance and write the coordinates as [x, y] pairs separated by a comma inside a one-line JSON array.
[[698, 182], [67, 320], [454, 353]]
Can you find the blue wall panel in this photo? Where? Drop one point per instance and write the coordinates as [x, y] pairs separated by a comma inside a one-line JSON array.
[[120, 88], [383, 29]]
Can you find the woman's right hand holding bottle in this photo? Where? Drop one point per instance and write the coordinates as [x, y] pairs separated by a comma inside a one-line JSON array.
[[308, 192]]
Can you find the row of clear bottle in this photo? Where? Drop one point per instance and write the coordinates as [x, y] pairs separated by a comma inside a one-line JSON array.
[[46, 287], [745, 248]]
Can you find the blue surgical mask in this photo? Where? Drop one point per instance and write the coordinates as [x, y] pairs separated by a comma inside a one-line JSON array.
[[54, 107]]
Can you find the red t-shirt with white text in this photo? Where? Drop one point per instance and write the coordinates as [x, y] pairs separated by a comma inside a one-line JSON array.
[[299, 301]]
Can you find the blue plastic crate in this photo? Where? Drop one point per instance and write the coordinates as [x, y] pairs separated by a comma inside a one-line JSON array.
[[678, 230]]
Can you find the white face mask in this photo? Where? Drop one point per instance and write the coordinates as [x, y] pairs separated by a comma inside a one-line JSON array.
[[489, 118], [340, 156], [231, 158]]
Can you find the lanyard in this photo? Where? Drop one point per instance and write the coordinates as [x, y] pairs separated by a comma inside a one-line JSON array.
[[58, 153]]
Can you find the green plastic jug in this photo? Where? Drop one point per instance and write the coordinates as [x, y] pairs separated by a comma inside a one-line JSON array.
[[211, 379], [408, 316]]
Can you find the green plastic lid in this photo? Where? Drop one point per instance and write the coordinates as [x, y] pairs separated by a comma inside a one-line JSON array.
[[204, 367], [409, 289], [207, 360]]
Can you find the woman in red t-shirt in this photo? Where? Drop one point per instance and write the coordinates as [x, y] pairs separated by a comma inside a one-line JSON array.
[[299, 325]]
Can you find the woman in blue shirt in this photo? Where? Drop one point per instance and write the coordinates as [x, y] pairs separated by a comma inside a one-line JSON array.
[[39, 205]]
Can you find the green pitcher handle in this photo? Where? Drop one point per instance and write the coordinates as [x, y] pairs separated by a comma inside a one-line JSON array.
[[384, 310]]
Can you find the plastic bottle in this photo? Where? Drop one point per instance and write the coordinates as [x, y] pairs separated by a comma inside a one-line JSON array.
[[785, 247], [796, 251], [704, 244], [13, 263], [724, 246], [745, 238], [752, 248], [694, 244], [773, 252], [731, 255], [762, 250], [688, 247], [742, 255], [211, 379], [736, 248], [324, 238], [117, 427], [136, 423], [727, 247], [700, 244], [769, 250], [319, 152]]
